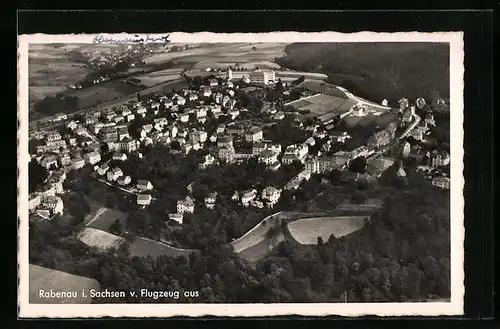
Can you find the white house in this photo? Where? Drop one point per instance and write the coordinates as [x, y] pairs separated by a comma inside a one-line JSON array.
[[271, 195], [184, 117], [144, 185], [92, 157], [78, 163], [268, 157], [210, 200], [248, 196], [124, 180], [186, 205], [102, 169], [53, 203], [114, 173], [176, 217], [144, 199], [254, 134], [119, 156]]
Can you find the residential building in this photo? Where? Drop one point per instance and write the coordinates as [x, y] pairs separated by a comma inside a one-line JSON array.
[[128, 145], [185, 206], [274, 166], [271, 195], [341, 158], [442, 182], [102, 169], [268, 157], [122, 133], [295, 152], [279, 115], [161, 122], [405, 152], [119, 156], [124, 180], [53, 203], [213, 82], [233, 113], [90, 119], [207, 161], [78, 163], [141, 111], [92, 157], [144, 185], [439, 158], [114, 174], [108, 134], [210, 200], [72, 125], [34, 201], [175, 217], [198, 136], [144, 199], [235, 130], [429, 119], [64, 159], [254, 134], [227, 153], [248, 196], [186, 148], [53, 136], [258, 147], [235, 196], [184, 117], [224, 141]]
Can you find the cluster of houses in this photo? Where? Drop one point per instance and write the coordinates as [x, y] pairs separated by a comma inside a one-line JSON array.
[[46, 202]]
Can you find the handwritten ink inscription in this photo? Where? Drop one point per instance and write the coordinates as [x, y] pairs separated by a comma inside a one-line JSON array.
[[127, 40]]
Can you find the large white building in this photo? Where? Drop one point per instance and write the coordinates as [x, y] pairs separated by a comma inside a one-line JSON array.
[[256, 76]]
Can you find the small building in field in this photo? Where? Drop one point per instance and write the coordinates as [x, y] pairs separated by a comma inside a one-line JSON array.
[[144, 199]]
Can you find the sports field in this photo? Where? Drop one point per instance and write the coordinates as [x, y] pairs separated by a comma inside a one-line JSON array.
[[307, 230], [100, 239]]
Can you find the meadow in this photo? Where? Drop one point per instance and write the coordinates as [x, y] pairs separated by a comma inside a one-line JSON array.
[[307, 230], [143, 247], [99, 239]]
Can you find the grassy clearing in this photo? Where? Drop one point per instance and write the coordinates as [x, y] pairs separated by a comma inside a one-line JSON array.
[[307, 230], [156, 77], [261, 249], [319, 104], [42, 278], [257, 234], [144, 247]]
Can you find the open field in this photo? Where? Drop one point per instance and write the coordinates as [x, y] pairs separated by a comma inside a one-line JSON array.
[[101, 217], [369, 121], [222, 55], [261, 249], [42, 278], [102, 93], [324, 88], [100, 239], [307, 230], [144, 247], [153, 78], [320, 104]]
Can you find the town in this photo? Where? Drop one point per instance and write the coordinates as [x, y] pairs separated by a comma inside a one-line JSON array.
[[211, 119]]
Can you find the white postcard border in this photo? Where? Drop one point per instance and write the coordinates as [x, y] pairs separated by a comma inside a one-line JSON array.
[[454, 307]]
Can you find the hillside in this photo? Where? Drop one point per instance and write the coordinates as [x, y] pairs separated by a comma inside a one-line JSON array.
[[376, 70]]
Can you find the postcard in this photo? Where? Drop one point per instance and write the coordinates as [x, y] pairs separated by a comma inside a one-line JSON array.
[[240, 174]]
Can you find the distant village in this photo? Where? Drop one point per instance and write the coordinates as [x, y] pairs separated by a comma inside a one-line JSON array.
[[101, 137]]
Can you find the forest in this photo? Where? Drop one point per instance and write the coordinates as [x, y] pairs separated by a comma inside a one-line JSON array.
[[401, 254], [376, 70]]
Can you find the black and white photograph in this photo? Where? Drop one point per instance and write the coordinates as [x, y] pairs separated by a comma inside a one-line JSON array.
[[190, 174]]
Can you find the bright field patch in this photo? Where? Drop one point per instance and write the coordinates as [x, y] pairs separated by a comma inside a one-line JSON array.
[[143, 247], [99, 239], [321, 104], [307, 230], [42, 278]]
